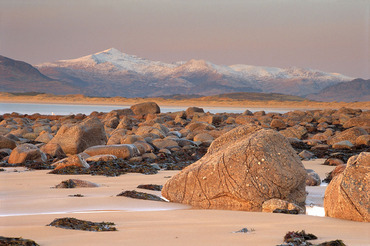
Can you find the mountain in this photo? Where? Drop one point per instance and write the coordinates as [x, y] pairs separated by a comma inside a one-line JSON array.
[[19, 76], [113, 73], [355, 90]]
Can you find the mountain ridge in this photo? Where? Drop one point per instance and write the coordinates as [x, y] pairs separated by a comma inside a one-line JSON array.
[[113, 73]]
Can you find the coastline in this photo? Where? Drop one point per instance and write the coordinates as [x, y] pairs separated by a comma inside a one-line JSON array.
[[198, 102]]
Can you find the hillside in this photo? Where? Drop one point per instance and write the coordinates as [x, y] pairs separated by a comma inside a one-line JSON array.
[[19, 76], [355, 90]]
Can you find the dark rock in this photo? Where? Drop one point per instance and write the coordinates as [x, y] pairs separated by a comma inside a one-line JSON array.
[[151, 187], [76, 183], [110, 168], [76, 224], [16, 241], [140, 195], [286, 211]]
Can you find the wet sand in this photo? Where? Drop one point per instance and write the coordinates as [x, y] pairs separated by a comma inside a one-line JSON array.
[[29, 202]]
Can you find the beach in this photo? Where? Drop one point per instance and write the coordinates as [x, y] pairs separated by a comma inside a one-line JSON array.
[[30, 202]]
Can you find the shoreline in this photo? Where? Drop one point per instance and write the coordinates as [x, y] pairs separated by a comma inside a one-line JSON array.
[[200, 102]]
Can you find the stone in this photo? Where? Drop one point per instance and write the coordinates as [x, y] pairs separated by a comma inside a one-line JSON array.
[[75, 138], [347, 195], [350, 134], [105, 158], [242, 169], [75, 183], [73, 160], [343, 145], [337, 170], [164, 143], [203, 137], [26, 152], [306, 155], [363, 140], [7, 143], [53, 150], [271, 205], [193, 110], [278, 124], [124, 151], [333, 162], [44, 138], [313, 179], [294, 132], [145, 108]]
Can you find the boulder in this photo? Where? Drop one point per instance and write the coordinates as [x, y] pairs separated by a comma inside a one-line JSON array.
[[350, 134], [363, 140], [333, 162], [306, 155], [278, 124], [26, 152], [294, 132], [203, 137], [7, 143], [75, 138], [53, 150], [73, 160], [145, 108], [164, 143], [97, 158], [242, 169], [313, 179], [343, 145], [124, 151], [347, 196], [44, 138], [271, 205], [191, 111]]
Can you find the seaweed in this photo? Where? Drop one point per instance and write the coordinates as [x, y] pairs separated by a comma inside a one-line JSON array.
[[140, 195], [76, 224], [16, 241], [150, 187]]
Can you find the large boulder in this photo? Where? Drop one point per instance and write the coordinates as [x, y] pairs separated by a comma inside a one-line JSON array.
[[73, 160], [124, 151], [145, 108], [347, 195], [6, 143], [75, 138], [350, 134], [242, 169], [26, 152]]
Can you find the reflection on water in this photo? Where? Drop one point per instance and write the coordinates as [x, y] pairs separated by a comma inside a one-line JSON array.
[[315, 211], [67, 109]]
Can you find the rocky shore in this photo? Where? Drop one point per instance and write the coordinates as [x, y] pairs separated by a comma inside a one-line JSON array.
[[249, 161]]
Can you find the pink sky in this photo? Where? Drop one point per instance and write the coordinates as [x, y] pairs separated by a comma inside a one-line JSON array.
[[330, 35]]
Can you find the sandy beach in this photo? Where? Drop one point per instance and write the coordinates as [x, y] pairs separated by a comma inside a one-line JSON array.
[[199, 102], [29, 202]]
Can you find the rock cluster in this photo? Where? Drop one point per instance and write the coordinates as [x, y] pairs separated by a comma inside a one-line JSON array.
[[142, 139]]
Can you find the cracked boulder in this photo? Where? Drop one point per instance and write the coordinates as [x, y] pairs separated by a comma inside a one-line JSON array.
[[242, 169], [347, 195], [75, 138]]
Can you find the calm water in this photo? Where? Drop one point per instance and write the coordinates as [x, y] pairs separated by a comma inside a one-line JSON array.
[[66, 109]]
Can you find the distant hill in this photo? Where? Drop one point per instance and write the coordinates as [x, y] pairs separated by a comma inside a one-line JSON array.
[[355, 90], [257, 96], [19, 76]]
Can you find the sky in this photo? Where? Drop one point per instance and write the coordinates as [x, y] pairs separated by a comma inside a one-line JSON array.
[[329, 35]]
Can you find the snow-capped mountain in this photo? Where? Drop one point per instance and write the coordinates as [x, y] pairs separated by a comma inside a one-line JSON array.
[[113, 73]]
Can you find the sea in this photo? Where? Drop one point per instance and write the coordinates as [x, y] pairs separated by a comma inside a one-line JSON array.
[[68, 109]]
